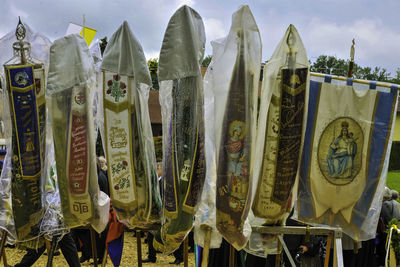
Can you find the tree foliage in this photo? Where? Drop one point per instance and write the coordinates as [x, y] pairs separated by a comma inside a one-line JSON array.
[[336, 66], [103, 44], [153, 68], [206, 61]]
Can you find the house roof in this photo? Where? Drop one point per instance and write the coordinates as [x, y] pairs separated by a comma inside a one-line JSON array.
[[154, 107]]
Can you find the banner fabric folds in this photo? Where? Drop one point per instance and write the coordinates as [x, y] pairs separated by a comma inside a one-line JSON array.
[[280, 134], [235, 123], [181, 99], [345, 157], [70, 81], [127, 131]]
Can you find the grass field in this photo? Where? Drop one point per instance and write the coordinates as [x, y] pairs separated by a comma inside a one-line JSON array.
[[393, 180]]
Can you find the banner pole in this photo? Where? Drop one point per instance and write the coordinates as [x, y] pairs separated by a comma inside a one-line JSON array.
[[139, 247], [53, 246], [185, 251], [206, 249], [231, 256], [94, 248], [3, 242]]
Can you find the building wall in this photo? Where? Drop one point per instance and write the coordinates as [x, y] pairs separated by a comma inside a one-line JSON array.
[[396, 134]]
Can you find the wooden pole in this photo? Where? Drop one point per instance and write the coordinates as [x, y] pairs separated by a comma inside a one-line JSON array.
[[139, 248], [328, 250], [206, 249], [5, 258], [231, 256], [94, 247], [3, 242], [278, 255], [185, 251], [53, 246], [103, 263]]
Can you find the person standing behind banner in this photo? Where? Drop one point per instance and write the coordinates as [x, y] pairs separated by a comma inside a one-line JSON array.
[[385, 217], [84, 234], [68, 249], [396, 210], [390, 209]]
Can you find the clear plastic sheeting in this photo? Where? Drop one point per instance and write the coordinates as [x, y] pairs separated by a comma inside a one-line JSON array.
[[70, 82], [346, 154], [40, 46], [126, 131], [205, 218], [6, 215], [52, 223], [280, 134], [26, 116], [236, 77], [181, 99], [95, 51], [39, 52]]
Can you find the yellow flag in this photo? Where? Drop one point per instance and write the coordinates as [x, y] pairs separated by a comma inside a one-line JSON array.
[[87, 33]]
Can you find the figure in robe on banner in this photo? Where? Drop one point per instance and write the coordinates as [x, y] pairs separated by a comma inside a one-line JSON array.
[[237, 150], [341, 154]]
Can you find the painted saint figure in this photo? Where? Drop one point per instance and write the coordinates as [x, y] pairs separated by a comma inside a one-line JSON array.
[[236, 149], [341, 154]]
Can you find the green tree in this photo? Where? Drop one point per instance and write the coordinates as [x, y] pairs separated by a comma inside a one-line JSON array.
[[206, 61], [103, 44], [330, 65], [153, 68], [334, 66]]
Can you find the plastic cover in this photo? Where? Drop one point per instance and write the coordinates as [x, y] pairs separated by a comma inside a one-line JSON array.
[[38, 53], [205, 218], [281, 125], [70, 82], [181, 99], [127, 135], [95, 51], [236, 79], [40, 46], [52, 222], [353, 179]]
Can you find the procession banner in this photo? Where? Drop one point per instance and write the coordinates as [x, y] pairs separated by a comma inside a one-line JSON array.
[[281, 128], [26, 150], [345, 156], [70, 108], [181, 98], [127, 131], [205, 218], [36, 57], [280, 133], [235, 128]]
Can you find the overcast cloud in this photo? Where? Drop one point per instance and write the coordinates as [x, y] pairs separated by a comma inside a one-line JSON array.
[[326, 27]]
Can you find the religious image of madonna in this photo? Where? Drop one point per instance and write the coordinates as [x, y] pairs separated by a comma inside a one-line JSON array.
[[339, 151]]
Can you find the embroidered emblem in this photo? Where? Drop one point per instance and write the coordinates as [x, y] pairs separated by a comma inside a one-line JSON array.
[[118, 137], [80, 98], [339, 150], [21, 78], [116, 88]]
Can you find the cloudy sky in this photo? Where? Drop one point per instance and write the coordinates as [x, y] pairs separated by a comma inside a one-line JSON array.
[[326, 27]]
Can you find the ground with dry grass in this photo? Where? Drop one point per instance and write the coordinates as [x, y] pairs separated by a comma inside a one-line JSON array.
[[129, 256]]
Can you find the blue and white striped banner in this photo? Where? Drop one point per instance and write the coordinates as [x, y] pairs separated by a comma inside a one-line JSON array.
[[344, 160]]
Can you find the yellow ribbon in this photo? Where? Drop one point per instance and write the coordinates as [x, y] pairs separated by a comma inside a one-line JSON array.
[[394, 227]]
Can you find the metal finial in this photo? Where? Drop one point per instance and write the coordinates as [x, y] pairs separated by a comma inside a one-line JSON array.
[[20, 31], [351, 63], [291, 40], [352, 51]]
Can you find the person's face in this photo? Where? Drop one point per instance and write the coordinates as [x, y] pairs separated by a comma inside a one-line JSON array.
[[159, 170], [237, 132]]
